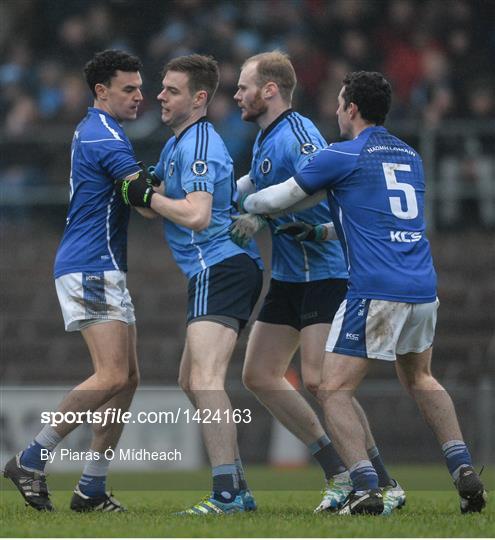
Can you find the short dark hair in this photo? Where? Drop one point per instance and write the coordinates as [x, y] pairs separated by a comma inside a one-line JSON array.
[[104, 65], [371, 92], [202, 72]]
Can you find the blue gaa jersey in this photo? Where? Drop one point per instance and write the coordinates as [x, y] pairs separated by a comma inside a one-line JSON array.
[[279, 151], [198, 160], [95, 236], [376, 192]]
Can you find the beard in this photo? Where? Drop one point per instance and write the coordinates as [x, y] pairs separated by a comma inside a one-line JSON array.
[[257, 108]]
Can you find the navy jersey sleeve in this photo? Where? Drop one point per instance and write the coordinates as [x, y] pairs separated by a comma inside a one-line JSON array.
[[328, 168], [116, 158]]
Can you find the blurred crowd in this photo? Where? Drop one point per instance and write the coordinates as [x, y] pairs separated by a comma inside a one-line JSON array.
[[438, 54]]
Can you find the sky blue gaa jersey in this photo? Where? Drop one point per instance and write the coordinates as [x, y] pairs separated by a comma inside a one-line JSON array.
[[279, 151], [198, 160], [376, 192], [95, 236]]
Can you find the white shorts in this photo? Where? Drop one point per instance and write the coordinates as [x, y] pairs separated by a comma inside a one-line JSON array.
[[381, 329], [93, 297]]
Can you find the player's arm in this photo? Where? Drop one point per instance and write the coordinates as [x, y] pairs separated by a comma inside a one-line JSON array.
[[245, 185], [273, 199], [148, 213], [305, 231], [245, 226], [193, 212]]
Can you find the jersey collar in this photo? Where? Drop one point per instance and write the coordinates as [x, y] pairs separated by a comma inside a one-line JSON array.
[[275, 123], [369, 129], [95, 110], [200, 120]]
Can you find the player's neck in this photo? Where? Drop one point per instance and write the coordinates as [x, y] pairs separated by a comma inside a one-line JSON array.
[[271, 114], [177, 130], [360, 126], [102, 106]]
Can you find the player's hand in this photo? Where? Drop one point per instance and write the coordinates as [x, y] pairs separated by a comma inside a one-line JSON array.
[[302, 231], [152, 178], [241, 197], [244, 227], [136, 192]]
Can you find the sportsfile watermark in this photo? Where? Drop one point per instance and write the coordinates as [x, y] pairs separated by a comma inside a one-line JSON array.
[[113, 415], [110, 454]]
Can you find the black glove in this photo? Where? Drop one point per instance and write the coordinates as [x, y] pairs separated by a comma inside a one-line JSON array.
[[302, 231], [137, 192], [152, 178]]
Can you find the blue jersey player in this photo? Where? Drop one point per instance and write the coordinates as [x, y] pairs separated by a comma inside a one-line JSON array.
[[375, 187], [309, 278], [225, 280], [90, 277]]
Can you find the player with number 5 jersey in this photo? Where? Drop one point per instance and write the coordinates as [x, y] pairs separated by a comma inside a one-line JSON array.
[[379, 181], [375, 187]]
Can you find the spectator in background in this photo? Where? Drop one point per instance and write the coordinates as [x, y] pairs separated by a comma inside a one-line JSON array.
[[432, 96]]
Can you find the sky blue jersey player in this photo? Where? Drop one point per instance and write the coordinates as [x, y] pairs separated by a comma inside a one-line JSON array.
[[309, 273], [280, 150], [375, 185], [196, 202], [197, 160], [90, 278]]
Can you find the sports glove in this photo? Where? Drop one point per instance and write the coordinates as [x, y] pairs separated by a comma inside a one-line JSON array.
[[244, 227], [152, 178], [303, 231], [137, 192]]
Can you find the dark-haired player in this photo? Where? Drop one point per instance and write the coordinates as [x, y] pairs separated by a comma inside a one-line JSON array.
[[375, 186], [90, 277]]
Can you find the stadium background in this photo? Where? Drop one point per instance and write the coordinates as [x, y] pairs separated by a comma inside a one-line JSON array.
[[439, 58]]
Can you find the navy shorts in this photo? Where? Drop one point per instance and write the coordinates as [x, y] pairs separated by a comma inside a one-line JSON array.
[[229, 289], [303, 304]]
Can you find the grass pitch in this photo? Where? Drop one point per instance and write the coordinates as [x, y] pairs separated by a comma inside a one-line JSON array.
[[283, 512]]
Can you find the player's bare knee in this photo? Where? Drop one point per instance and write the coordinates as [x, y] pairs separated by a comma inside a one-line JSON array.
[[133, 381], [184, 383], [258, 382], [114, 383], [311, 386], [204, 381]]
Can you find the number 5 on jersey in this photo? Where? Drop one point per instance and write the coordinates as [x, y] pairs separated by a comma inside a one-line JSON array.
[[411, 210]]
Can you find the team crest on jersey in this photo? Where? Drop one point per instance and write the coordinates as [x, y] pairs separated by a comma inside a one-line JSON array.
[[171, 168], [308, 148], [266, 166], [199, 167]]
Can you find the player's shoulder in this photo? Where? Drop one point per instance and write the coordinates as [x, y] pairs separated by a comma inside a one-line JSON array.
[[382, 141], [345, 148], [298, 135], [202, 142], [98, 126]]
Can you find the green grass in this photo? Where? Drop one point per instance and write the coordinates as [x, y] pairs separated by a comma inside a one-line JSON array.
[[284, 512]]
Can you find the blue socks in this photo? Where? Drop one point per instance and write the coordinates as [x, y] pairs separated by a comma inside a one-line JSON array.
[[225, 483], [325, 454], [377, 462], [31, 457], [363, 476], [456, 455], [240, 475], [94, 476]]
